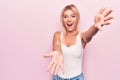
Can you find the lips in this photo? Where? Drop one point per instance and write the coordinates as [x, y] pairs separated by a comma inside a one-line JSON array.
[[69, 24]]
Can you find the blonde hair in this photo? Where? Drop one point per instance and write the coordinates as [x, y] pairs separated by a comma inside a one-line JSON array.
[[75, 10]]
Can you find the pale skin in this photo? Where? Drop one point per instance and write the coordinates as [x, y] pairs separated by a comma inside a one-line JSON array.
[[103, 17]]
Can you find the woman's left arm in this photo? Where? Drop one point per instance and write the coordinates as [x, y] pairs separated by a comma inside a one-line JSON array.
[[102, 18]]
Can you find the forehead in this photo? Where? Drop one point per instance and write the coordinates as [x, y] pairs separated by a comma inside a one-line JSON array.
[[68, 11]]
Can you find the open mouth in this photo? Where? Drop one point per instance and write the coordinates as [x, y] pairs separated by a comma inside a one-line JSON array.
[[69, 24]]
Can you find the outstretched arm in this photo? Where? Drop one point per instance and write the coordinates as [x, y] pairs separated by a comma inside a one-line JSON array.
[[102, 18], [56, 56]]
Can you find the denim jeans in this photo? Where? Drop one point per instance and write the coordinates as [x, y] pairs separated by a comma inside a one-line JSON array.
[[79, 77]]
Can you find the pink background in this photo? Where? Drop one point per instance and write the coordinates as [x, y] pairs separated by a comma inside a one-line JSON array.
[[26, 31]]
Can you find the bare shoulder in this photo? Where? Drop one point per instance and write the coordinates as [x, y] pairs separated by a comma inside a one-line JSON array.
[[57, 34], [56, 38], [56, 41]]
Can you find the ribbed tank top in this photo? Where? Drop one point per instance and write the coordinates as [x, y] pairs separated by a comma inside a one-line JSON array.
[[72, 58]]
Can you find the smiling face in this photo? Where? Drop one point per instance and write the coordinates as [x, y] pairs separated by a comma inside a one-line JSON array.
[[70, 18]]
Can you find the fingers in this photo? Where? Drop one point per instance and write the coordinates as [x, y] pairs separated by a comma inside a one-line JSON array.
[[108, 18], [53, 69], [50, 66], [108, 12], [56, 69], [47, 55], [102, 10], [55, 63], [62, 68], [104, 16], [107, 23]]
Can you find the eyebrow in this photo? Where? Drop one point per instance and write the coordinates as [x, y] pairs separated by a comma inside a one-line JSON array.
[[71, 14]]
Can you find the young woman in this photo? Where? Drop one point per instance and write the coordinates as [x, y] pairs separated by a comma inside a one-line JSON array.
[[68, 45]]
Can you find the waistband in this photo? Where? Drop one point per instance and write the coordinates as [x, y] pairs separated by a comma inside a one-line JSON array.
[[78, 77]]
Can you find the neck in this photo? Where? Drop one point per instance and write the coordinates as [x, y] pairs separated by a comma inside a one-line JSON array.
[[72, 33]]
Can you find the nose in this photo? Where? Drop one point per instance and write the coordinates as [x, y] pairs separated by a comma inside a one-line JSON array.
[[69, 19]]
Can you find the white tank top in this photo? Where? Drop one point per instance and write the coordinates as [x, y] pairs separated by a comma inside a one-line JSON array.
[[72, 59]]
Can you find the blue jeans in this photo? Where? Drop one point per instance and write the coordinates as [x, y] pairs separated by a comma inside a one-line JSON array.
[[79, 77]]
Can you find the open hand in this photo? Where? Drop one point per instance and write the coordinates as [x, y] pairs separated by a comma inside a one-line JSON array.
[[103, 17], [55, 63]]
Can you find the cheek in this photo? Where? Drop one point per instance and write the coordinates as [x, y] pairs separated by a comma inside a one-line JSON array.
[[64, 21], [75, 21]]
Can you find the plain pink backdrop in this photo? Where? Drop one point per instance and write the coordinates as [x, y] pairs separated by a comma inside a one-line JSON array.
[[26, 32]]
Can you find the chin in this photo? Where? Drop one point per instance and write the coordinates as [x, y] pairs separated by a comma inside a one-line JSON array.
[[70, 30]]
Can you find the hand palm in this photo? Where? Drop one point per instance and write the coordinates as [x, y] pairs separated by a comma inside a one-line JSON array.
[[56, 62], [103, 17]]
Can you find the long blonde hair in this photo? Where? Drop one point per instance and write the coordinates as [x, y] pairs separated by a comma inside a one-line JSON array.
[[75, 10]]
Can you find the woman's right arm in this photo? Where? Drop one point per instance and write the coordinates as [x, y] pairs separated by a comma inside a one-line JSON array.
[[56, 55], [56, 42]]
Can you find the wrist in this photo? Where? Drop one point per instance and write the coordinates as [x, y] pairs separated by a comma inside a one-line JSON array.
[[98, 24]]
